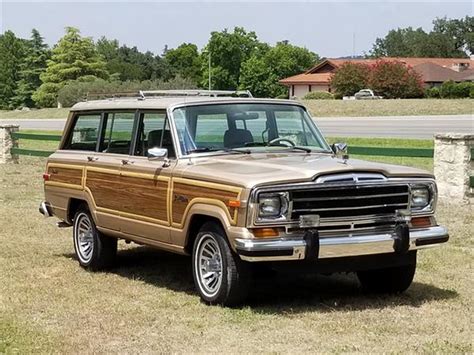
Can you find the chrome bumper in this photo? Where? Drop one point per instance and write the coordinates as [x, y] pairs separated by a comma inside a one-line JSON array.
[[296, 248], [45, 209]]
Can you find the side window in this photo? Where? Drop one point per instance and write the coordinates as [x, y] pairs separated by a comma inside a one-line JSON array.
[[85, 133], [154, 131], [118, 132]]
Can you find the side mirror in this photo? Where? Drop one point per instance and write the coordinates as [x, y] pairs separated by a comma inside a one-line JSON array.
[[340, 150], [159, 154]]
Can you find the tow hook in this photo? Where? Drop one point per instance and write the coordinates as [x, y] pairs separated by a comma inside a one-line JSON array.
[[311, 238], [401, 239]]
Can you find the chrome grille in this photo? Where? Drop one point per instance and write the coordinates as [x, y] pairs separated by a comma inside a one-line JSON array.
[[333, 202]]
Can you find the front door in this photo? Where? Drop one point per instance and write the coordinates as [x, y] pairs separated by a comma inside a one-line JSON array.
[[146, 184]]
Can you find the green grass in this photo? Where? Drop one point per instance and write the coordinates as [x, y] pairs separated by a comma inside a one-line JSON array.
[[35, 113], [412, 107], [147, 303], [326, 108], [420, 163]]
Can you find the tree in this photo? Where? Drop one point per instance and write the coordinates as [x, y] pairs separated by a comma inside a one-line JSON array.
[[128, 63], [33, 66], [12, 50], [349, 78], [395, 80], [450, 38], [72, 58], [261, 72], [461, 31], [228, 51], [184, 61]]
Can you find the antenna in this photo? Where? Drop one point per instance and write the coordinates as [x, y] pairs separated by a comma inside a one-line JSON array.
[[353, 44]]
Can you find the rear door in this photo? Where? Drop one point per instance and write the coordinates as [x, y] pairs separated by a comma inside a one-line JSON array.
[[146, 184], [102, 178]]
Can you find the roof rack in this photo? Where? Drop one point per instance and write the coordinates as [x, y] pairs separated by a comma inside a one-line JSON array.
[[144, 94], [212, 93]]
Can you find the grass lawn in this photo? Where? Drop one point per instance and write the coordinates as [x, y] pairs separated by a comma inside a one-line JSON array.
[[327, 108], [412, 107], [147, 303]]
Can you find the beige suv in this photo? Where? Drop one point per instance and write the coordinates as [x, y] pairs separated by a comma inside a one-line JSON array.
[[235, 182]]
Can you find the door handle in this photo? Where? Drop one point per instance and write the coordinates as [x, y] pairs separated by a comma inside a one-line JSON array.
[[92, 158], [126, 162]]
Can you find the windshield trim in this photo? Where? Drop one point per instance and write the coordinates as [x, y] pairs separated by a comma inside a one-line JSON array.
[[184, 155]]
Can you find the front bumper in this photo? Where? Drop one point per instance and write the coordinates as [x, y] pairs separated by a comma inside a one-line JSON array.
[[315, 247]]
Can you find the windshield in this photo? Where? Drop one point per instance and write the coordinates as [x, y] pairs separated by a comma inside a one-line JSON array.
[[246, 126]]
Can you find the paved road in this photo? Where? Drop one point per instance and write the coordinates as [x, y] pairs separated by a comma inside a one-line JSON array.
[[397, 126]]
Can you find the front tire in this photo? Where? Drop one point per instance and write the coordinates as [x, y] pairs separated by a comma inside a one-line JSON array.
[[220, 276], [94, 251], [389, 280]]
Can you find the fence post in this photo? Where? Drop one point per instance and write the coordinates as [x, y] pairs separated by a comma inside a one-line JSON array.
[[7, 142], [453, 167]]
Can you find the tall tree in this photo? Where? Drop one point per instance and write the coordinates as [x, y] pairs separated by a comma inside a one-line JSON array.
[[184, 61], [261, 72], [450, 38], [228, 50], [461, 31], [128, 63], [74, 57], [34, 64], [12, 50]]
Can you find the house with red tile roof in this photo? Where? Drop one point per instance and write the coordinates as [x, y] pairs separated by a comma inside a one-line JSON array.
[[434, 71]]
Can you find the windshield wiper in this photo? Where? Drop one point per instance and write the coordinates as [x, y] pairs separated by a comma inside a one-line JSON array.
[[211, 149], [261, 144]]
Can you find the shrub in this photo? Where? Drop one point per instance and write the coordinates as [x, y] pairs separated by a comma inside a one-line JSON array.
[[395, 80], [319, 95], [350, 78], [282, 96], [432, 93], [451, 90]]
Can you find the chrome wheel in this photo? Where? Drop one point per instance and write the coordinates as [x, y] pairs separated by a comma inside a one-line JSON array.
[[208, 265], [84, 237]]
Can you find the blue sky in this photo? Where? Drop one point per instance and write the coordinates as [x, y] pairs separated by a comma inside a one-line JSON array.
[[326, 28]]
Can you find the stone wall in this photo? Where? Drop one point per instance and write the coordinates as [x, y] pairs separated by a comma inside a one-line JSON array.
[[7, 143], [453, 167]]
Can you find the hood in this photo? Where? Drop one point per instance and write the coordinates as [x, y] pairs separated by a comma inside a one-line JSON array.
[[255, 169]]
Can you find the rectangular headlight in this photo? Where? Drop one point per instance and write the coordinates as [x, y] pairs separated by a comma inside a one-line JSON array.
[[420, 197], [272, 205]]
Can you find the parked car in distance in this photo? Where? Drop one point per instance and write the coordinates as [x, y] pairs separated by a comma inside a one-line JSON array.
[[234, 182], [366, 94]]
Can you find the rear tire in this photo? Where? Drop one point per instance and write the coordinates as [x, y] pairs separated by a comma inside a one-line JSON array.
[[389, 280], [220, 276], [94, 251]]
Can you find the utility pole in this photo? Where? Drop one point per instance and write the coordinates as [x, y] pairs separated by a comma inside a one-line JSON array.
[[209, 57]]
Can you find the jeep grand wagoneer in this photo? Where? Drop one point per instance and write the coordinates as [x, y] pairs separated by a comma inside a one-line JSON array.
[[234, 181]]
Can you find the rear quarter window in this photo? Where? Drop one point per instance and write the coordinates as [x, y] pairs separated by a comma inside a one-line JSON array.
[[84, 133]]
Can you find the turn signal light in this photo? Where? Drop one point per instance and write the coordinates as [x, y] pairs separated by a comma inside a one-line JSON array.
[[234, 203], [419, 222], [265, 232], [46, 176]]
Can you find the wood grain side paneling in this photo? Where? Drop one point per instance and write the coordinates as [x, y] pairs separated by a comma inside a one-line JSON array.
[[146, 197], [183, 194], [65, 175], [106, 190]]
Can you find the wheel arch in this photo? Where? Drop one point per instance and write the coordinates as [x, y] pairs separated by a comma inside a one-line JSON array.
[[197, 218]]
